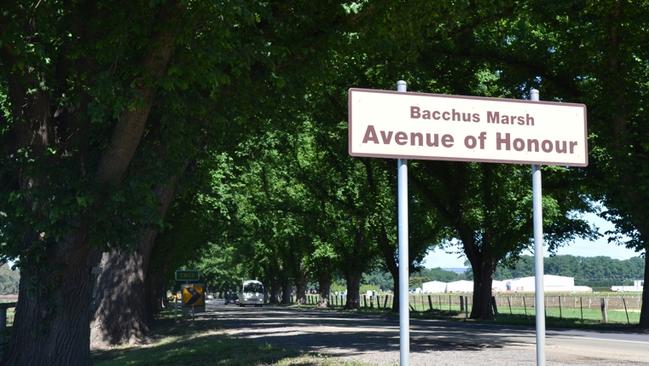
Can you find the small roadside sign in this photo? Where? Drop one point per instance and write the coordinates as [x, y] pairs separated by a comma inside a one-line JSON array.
[[193, 296], [187, 275]]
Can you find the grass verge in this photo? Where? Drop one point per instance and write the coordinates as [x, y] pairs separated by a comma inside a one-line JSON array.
[[186, 342]]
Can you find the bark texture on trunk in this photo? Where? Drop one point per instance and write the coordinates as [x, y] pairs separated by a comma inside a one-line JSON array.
[[483, 266], [644, 312], [286, 291], [395, 291], [274, 291], [482, 283], [300, 288], [120, 297], [353, 279], [119, 314], [53, 311], [388, 251], [324, 289], [51, 326], [155, 296]]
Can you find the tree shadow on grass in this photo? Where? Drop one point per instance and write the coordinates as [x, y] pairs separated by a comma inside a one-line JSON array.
[[202, 350]]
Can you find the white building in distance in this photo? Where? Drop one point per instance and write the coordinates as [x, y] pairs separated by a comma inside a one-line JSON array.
[[638, 285], [433, 287], [551, 283], [459, 286]]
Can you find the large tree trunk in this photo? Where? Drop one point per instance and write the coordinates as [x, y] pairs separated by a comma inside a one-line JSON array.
[[483, 267], [644, 312], [324, 289], [353, 279], [120, 301], [53, 311], [53, 314], [156, 299], [275, 286], [286, 291], [389, 258], [300, 287], [395, 290], [119, 314], [482, 283]]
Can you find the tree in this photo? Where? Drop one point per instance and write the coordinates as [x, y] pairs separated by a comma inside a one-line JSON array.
[[599, 53], [74, 128], [83, 83]]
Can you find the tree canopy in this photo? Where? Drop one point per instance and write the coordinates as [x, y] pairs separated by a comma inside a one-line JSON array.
[[140, 136]]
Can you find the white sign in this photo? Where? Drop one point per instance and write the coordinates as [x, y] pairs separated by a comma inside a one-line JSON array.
[[448, 127]]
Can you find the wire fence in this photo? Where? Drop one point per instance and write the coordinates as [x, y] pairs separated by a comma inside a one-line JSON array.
[[605, 308]]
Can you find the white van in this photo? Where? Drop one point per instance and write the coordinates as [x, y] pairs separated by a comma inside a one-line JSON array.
[[252, 293]]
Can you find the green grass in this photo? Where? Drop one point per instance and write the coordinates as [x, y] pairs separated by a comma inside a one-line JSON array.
[[200, 342], [588, 315]]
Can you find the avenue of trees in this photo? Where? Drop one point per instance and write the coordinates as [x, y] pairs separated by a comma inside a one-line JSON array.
[[141, 136]]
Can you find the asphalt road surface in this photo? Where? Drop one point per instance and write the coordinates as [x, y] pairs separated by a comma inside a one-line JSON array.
[[374, 339]]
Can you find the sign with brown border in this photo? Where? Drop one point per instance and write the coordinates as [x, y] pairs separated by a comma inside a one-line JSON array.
[[389, 124]]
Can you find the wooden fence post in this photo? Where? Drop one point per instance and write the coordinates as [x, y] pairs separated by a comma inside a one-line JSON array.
[[524, 305], [581, 308], [430, 303], [560, 310], [466, 306], [626, 311], [3, 324], [604, 308], [461, 304]]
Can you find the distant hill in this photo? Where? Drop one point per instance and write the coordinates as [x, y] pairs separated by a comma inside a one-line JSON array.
[[597, 272], [459, 270], [436, 274], [9, 280]]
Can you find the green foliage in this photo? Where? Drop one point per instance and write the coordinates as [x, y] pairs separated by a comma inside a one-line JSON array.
[[434, 274], [9, 280], [379, 279], [250, 115]]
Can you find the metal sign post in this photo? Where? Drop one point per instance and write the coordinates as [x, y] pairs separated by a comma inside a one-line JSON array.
[[388, 124], [402, 199], [539, 293]]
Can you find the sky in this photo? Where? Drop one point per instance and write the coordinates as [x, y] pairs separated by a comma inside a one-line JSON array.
[[451, 258]]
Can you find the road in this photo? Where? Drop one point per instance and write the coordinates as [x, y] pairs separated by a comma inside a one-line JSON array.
[[374, 339]]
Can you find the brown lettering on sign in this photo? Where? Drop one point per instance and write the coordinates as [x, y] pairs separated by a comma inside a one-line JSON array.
[[404, 138], [401, 138], [414, 112], [453, 115], [504, 119], [370, 135], [506, 142]]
